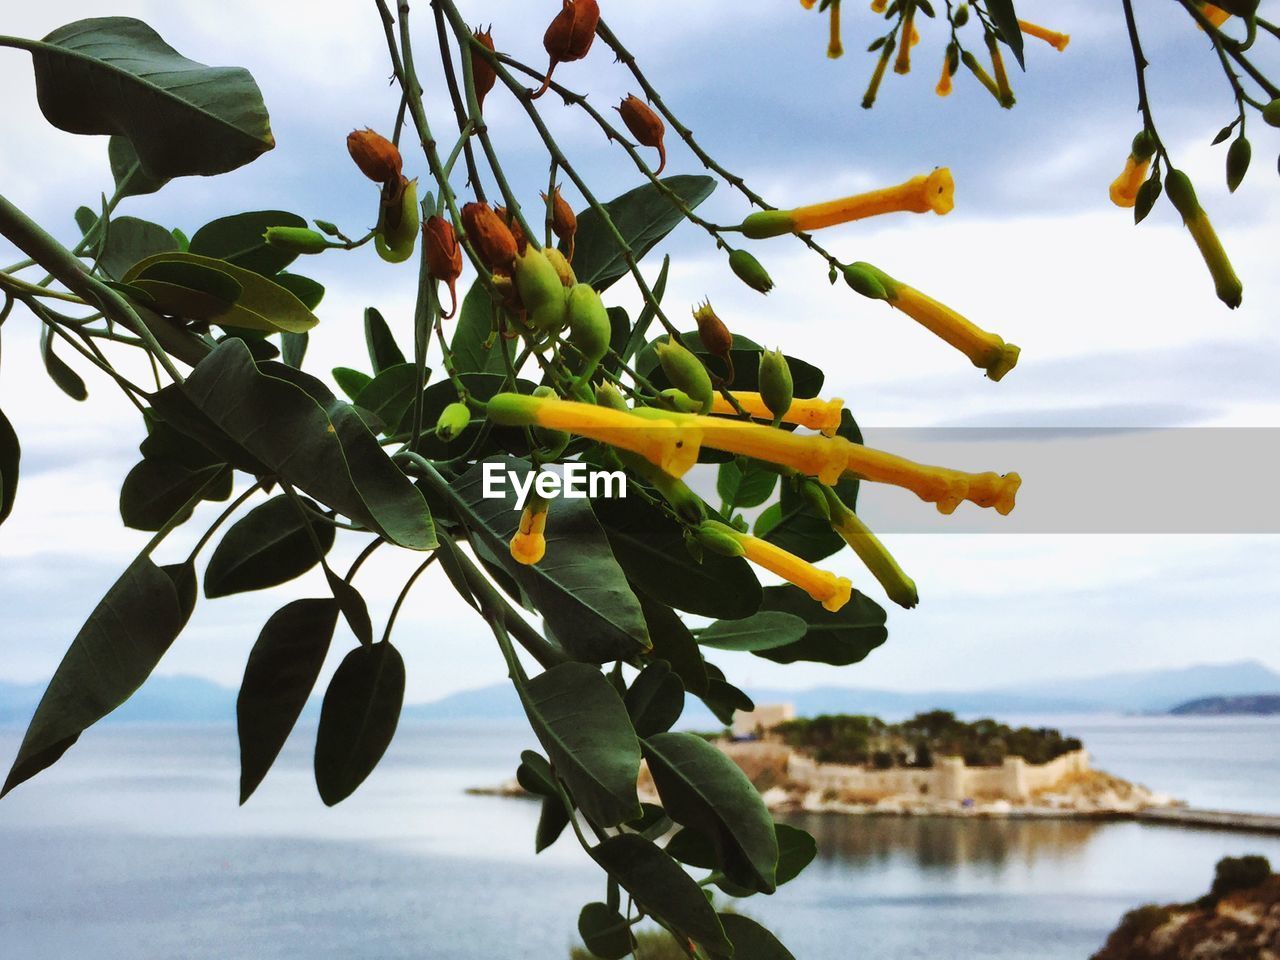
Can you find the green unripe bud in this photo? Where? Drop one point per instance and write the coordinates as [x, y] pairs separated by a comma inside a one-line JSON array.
[[398, 224], [541, 292], [1271, 113], [866, 280], [686, 372], [589, 326], [453, 420], [1238, 157], [680, 401], [1144, 145], [295, 240], [512, 409], [748, 269], [719, 538], [561, 265], [1182, 194], [554, 441], [768, 223], [607, 395], [776, 386], [962, 15]]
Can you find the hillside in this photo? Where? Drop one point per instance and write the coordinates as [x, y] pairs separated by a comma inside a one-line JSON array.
[[1259, 704]]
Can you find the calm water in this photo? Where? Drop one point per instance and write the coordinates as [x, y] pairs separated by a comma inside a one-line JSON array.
[[133, 847]]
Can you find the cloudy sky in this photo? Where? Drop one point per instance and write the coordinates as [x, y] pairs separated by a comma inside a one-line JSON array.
[[1118, 325]]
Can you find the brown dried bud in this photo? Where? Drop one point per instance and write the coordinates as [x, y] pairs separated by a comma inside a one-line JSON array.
[[713, 333], [444, 256], [482, 72], [564, 222], [569, 36], [513, 225], [375, 155], [490, 237], [645, 125]]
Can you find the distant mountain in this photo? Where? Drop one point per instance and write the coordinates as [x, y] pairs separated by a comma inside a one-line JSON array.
[[191, 699], [1262, 705]]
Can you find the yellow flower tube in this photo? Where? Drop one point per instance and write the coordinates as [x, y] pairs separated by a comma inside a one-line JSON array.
[[529, 544], [813, 413], [808, 4], [1124, 188], [941, 486], [1055, 39], [1215, 15], [900, 588], [835, 49], [943, 89], [878, 6], [831, 591], [666, 444], [902, 65], [1227, 285], [932, 191]]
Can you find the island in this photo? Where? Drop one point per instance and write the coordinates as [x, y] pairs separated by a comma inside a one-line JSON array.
[[1253, 705]]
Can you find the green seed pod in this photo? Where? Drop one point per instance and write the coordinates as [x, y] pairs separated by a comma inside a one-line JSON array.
[[686, 372], [1271, 113], [1238, 156], [866, 280], [589, 326], [541, 292], [776, 386], [719, 538], [748, 269], [1144, 145], [561, 265], [1182, 194], [962, 15], [295, 240], [680, 401], [607, 395], [768, 223], [554, 441], [512, 409], [453, 420], [398, 224]]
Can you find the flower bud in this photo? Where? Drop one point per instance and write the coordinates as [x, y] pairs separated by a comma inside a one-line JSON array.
[[748, 269], [1144, 145], [569, 36], [444, 256], [1238, 156], [397, 230], [1271, 113], [645, 125], [962, 15], [564, 222], [719, 538], [715, 336], [866, 280], [1226, 284], [776, 386], [453, 420], [686, 372], [607, 395], [375, 155], [513, 224], [552, 441], [295, 240], [491, 239], [561, 265], [541, 292], [589, 326], [483, 75]]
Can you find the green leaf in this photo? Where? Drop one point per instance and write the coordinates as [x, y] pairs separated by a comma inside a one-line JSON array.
[[293, 347], [535, 774], [1005, 20], [703, 789], [266, 547], [761, 631], [552, 820], [578, 587], [605, 931], [192, 290], [643, 216], [358, 719], [308, 292], [130, 240], [261, 305], [837, 638], [351, 382], [475, 321], [115, 651], [238, 240], [389, 395], [751, 941], [126, 170], [68, 381], [745, 483], [580, 721], [723, 698], [655, 699], [481, 386], [309, 439], [354, 610], [674, 644], [279, 677], [384, 353], [663, 890], [154, 491], [796, 850], [115, 75], [650, 547], [692, 848], [10, 458]]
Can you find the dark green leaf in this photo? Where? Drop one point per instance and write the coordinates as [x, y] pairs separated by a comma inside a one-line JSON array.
[[674, 644], [156, 490], [282, 670], [384, 353], [703, 789], [605, 931], [643, 216], [358, 719], [1005, 21], [309, 439], [354, 610], [692, 847], [10, 458], [650, 547], [308, 291], [481, 386], [130, 240], [535, 774], [183, 576], [115, 75], [293, 346], [552, 820], [389, 395], [663, 890], [837, 638], [723, 698], [115, 651], [760, 631], [266, 547], [238, 240], [351, 382], [68, 381], [655, 699], [1148, 194], [745, 483], [653, 822], [796, 850], [751, 941], [475, 321], [580, 721], [578, 587], [126, 170]]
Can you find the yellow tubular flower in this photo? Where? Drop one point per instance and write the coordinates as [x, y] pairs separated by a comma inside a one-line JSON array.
[[529, 545], [933, 191], [878, 6], [900, 588], [835, 49], [1124, 188], [877, 75], [1004, 93], [943, 89], [831, 591], [1215, 15], [669, 445], [903, 63], [1055, 39], [915, 35], [808, 4], [813, 413], [942, 486]]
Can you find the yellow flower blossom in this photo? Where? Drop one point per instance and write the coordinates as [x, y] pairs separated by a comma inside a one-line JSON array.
[[941, 486], [808, 4], [878, 6], [529, 544], [1227, 285], [1124, 188], [1055, 39], [943, 89], [813, 413], [903, 63], [932, 191], [900, 588], [1004, 93], [1215, 15], [831, 591]]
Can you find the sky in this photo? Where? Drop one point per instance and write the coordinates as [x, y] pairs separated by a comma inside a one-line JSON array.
[[1097, 571]]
